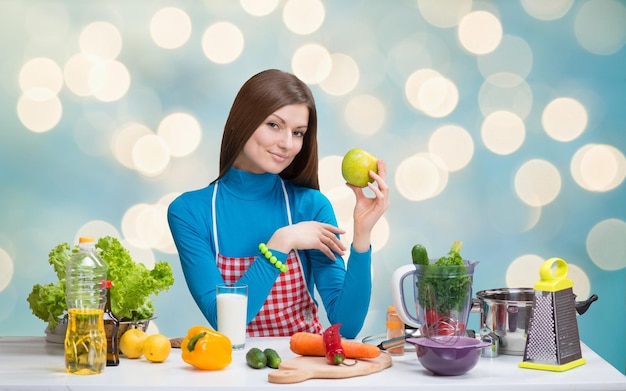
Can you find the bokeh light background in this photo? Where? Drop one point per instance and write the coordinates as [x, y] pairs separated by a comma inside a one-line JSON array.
[[502, 124]]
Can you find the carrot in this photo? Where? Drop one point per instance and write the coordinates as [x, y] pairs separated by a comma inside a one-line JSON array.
[[310, 344]]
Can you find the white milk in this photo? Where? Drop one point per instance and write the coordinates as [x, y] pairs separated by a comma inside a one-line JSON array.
[[231, 317]]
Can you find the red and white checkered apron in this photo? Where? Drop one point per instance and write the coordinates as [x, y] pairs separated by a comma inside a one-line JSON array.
[[289, 307]]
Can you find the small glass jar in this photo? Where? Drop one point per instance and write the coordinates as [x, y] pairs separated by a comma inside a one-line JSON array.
[[395, 329]]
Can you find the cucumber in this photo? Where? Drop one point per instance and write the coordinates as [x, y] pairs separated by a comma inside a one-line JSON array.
[[419, 255], [273, 359], [255, 358]]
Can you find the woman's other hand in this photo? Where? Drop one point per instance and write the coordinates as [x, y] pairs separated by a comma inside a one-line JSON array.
[[308, 235], [368, 211]]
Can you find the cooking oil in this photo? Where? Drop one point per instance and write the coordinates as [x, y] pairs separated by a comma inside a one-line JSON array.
[[85, 342], [85, 293]]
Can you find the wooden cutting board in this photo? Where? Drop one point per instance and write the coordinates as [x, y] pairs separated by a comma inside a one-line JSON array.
[[307, 367]]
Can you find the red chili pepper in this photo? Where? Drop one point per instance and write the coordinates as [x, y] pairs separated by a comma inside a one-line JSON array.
[[332, 345]]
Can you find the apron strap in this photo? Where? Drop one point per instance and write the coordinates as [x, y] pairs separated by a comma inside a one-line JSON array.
[[286, 201], [217, 248]]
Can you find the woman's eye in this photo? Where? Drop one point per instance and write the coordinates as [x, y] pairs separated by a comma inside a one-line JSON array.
[[272, 125], [298, 133]]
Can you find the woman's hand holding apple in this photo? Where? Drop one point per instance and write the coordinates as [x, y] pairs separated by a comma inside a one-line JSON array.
[[367, 211]]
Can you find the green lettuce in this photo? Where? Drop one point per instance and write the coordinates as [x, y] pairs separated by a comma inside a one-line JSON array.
[[132, 282], [47, 302], [133, 285]]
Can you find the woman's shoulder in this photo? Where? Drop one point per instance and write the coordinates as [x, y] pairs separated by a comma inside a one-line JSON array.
[[193, 197], [305, 193], [310, 204]]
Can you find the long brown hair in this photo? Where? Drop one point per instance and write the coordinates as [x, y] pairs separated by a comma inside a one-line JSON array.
[[260, 96]]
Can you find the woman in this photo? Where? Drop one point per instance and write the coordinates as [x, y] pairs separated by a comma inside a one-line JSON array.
[[267, 199]]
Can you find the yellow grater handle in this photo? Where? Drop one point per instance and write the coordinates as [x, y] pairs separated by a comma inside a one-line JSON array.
[[553, 275]]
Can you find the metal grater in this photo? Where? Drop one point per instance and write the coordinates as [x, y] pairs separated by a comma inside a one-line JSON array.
[[553, 342]]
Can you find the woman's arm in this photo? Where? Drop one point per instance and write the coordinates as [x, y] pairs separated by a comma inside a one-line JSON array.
[[198, 261], [345, 293]]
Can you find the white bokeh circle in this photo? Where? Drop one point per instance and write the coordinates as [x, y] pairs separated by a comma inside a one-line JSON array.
[[503, 132], [598, 167], [303, 17], [40, 77], [537, 182], [7, 268], [223, 42], [259, 7], [453, 145], [523, 272], [564, 119], [365, 114], [547, 10], [96, 229], [101, 39], [444, 14], [480, 32], [109, 80], [150, 155], [600, 26], [145, 225], [606, 244], [421, 176], [39, 116], [181, 132], [312, 63], [170, 27], [343, 76]]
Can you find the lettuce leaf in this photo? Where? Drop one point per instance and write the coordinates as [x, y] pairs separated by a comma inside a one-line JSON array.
[[132, 283], [48, 302]]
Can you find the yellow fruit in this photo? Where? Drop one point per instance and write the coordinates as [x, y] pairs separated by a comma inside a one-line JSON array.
[[356, 166], [131, 343], [157, 348]]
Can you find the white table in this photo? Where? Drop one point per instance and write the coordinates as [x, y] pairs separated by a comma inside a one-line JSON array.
[[30, 363]]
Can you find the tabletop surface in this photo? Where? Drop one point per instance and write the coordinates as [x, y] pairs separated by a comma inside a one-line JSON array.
[[32, 363]]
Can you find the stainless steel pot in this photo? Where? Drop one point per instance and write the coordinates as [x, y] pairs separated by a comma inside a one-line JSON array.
[[506, 311]]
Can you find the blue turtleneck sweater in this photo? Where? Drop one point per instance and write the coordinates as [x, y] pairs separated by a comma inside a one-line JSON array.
[[250, 208]]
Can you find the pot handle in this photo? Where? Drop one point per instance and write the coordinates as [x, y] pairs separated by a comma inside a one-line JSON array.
[[397, 294], [583, 306]]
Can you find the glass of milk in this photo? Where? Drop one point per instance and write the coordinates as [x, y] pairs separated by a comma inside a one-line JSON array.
[[232, 309]]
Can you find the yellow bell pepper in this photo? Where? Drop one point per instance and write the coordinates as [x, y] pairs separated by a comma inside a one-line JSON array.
[[207, 349]]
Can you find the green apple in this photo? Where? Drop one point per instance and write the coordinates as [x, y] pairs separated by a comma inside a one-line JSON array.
[[356, 165]]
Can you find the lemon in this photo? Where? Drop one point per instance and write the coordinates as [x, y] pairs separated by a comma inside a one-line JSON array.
[[157, 348], [131, 343]]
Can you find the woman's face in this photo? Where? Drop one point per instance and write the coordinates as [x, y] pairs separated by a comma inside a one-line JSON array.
[[276, 142]]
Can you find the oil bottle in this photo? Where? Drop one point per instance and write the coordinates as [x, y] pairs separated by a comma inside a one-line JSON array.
[[85, 291]]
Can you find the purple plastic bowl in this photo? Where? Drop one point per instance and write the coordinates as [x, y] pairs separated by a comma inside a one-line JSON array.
[[447, 355]]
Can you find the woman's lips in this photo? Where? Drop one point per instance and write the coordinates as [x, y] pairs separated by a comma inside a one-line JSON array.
[[279, 157]]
